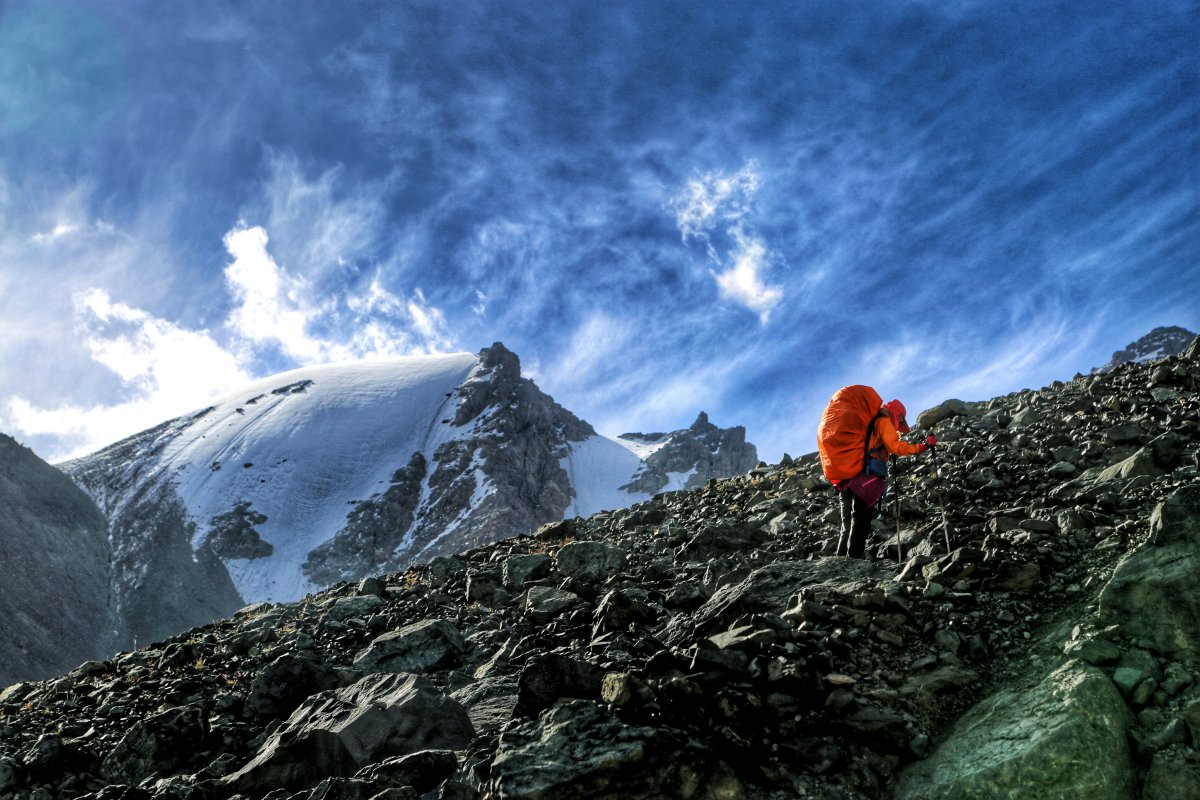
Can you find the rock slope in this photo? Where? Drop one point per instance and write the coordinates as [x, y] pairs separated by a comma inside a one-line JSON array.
[[1027, 627]]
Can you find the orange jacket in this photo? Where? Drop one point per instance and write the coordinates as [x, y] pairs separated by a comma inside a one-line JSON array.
[[841, 436]]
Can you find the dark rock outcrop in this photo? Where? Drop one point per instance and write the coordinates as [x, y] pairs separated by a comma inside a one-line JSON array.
[[54, 570], [1159, 343], [701, 451]]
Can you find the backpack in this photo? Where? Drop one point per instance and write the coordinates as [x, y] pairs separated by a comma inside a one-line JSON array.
[[844, 435]]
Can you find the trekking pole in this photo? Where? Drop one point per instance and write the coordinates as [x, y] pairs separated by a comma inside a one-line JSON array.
[[941, 502], [896, 506]]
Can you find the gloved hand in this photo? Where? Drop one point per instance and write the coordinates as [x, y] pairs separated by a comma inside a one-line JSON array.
[[929, 442]]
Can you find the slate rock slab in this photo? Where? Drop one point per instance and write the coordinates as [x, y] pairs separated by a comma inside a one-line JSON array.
[[336, 733], [576, 751], [593, 561], [156, 746]]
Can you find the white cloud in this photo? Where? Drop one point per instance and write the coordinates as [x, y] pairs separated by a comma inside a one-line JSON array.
[[59, 230], [713, 201], [322, 224], [742, 283], [166, 370], [713, 198], [271, 307], [274, 309]]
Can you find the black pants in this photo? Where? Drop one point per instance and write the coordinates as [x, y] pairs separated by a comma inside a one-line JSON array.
[[856, 525]]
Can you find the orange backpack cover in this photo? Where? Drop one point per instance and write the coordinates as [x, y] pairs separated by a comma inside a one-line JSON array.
[[842, 434]]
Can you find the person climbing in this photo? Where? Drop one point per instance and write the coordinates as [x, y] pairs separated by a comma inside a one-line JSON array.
[[857, 433]]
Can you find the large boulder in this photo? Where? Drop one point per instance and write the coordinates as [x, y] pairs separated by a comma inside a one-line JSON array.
[[337, 733], [1154, 594], [768, 589], [284, 683], [156, 746], [1060, 740]]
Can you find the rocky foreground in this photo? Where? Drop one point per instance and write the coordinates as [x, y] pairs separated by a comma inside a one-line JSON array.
[[706, 644]]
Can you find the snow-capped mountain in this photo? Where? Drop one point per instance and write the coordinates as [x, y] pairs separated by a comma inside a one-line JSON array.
[[334, 472], [1158, 343]]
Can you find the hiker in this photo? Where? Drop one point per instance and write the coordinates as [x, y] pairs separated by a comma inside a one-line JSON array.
[[857, 433]]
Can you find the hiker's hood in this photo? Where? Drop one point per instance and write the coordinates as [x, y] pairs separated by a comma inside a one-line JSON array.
[[898, 413]]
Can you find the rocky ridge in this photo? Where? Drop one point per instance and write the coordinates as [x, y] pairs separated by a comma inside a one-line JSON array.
[[706, 644], [1158, 343], [700, 451]]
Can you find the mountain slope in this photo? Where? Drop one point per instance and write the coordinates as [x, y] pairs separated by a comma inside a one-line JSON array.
[[54, 569], [1037, 637], [330, 473]]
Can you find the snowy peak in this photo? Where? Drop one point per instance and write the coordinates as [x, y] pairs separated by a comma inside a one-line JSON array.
[[265, 475], [1158, 343], [493, 472], [331, 473]]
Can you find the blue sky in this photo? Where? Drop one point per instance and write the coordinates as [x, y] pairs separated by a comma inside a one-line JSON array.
[[661, 207]]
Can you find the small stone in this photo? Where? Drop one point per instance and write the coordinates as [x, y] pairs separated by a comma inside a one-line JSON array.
[[1144, 691], [1127, 679], [1093, 651]]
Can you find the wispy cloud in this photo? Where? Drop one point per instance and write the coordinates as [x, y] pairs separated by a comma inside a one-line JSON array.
[[320, 223], [57, 232], [715, 199], [715, 202], [743, 281]]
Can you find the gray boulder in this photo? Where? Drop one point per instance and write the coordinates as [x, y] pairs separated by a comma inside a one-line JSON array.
[[942, 411], [1171, 779], [1025, 417], [517, 570], [769, 589], [1061, 740], [284, 683], [551, 676], [337, 733], [1152, 592], [423, 646], [590, 560], [544, 603]]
